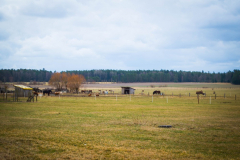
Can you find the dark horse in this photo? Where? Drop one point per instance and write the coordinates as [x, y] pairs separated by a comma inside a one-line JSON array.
[[200, 92], [157, 92], [37, 90], [48, 91]]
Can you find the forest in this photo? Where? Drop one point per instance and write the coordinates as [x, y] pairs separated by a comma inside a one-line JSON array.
[[101, 75]]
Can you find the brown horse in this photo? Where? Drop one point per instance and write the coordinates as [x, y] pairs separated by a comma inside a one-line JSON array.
[[57, 93], [200, 92]]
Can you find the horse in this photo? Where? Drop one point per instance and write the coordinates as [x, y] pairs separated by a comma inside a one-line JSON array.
[[57, 93], [157, 92], [48, 91], [35, 93], [200, 92]]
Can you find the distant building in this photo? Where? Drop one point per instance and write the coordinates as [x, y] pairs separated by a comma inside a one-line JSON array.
[[127, 90], [23, 91]]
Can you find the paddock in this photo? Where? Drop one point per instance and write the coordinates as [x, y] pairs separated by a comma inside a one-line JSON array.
[[122, 127]]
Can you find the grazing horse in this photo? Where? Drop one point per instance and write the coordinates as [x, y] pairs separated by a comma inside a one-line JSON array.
[[200, 92], [57, 93], [157, 92], [37, 90], [48, 91], [35, 93]]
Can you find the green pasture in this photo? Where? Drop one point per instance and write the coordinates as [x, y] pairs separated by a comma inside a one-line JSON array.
[[123, 127]]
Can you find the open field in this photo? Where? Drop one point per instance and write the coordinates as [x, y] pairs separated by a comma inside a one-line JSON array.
[[124, 127], [113, 85], [161, 85]]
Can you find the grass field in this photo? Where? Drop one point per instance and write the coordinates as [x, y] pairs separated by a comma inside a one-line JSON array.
[[123, 128]]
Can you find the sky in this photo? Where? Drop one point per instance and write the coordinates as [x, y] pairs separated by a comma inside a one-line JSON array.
[[60, 35]]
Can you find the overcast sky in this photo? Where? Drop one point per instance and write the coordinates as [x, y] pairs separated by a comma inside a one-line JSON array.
[[188, 35]]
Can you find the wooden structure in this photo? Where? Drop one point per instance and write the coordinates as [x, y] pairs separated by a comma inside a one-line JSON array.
[[31, 98], [23, 91], [127, 90]]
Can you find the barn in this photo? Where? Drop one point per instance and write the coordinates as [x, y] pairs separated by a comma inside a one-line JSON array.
[[23, 91], [127, 90]]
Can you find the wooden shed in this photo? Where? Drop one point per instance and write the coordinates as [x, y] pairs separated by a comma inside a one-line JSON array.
[[23, 91], [127, 90]]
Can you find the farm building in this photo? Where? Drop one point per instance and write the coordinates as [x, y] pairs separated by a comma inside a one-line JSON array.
[[23, 91], [127, 90]]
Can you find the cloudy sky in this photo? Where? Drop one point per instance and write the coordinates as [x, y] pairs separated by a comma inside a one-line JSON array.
[[189, 35]]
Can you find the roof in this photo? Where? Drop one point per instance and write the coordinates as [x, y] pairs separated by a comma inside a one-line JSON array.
[[128, 88], [23, 87]]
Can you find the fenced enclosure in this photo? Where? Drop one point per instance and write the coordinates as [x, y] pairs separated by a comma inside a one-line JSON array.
[[120, 127], [211, 95]]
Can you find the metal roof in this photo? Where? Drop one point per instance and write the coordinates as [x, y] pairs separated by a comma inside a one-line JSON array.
[[23, 87], [128, 88]]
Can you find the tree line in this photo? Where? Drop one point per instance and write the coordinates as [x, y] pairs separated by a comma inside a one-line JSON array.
[[28, 75]]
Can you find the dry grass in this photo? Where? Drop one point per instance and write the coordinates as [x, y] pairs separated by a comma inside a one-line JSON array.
[[85, 128]]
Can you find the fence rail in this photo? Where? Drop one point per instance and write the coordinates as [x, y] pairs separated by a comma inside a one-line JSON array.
[[10, 97]]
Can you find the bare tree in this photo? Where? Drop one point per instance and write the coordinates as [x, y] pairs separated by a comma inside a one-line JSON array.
[[64, 79], [75, 81], [55, 80]]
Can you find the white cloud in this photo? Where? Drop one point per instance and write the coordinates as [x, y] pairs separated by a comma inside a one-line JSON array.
[[120, 34]]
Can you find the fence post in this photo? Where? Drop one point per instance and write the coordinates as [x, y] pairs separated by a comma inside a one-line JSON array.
[[198, 98]]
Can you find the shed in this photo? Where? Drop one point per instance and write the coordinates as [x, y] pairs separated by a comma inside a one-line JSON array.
[[23, 91], [127, 90]]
